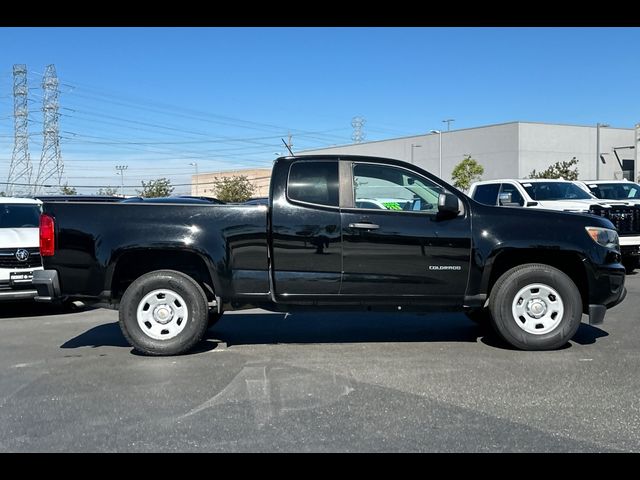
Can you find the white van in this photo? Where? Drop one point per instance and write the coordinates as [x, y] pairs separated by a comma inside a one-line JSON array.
[[19, 246]]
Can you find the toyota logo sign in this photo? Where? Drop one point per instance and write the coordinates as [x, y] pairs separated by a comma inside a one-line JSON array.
[[22, 255]]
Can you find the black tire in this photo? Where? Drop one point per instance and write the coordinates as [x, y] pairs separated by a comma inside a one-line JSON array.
[[195, 304], [506, 324], [214, 316], [481, 316]]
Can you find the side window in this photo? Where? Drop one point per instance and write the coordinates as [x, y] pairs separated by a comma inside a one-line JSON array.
[[383, 187], [516, 198], [487, 194], [314, 182]]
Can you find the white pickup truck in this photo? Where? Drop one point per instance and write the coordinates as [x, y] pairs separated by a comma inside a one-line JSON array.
[[627, 221], [19, 247], [569, 196]]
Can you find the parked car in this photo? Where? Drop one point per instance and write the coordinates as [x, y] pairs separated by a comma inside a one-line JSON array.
[[19, 249], [626, 219], [173, 269]]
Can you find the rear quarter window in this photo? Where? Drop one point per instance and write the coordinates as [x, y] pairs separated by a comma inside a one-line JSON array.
[[314, 182]]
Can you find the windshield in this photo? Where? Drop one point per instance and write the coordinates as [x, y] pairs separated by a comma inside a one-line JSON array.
[[616, 191], [16, 216], [555, 191]]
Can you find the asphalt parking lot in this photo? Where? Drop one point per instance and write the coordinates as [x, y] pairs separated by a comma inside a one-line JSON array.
[[317, 382]]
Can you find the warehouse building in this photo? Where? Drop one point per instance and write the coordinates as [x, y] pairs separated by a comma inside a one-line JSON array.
[[513, 150], [506, 150]]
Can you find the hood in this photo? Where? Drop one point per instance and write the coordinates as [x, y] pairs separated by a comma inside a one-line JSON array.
[[574, 205], [19, 237]]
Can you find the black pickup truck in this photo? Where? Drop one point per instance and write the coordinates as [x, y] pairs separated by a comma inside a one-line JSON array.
[[338, 233]]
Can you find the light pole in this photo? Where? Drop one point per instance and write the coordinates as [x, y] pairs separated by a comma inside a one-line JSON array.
[[414, 145], [439, 132], [448, 121], [598, 126], [121, 169], [195, 164]]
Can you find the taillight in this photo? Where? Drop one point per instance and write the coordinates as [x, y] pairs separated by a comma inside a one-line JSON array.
[[47, 236]]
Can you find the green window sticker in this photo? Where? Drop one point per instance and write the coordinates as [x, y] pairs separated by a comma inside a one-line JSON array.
[[392, 205]]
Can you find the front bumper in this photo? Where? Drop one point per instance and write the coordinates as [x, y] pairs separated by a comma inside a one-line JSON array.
[[606, 290], [22, 294], [47, 285]]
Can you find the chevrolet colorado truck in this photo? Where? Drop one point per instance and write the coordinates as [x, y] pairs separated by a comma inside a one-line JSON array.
[[331, 238]]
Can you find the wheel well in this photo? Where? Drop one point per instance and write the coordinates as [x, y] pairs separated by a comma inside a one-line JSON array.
[[132, 265], [567, 262]]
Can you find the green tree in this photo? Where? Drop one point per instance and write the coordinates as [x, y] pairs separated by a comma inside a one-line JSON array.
[[2, 194], [233, 189], [109, 191], [160, 187], [67, 190], [565, 170], [466, 172]]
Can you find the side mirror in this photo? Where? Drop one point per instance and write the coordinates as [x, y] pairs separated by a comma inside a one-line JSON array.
[[504, 199], [532, 204], [448, 203]]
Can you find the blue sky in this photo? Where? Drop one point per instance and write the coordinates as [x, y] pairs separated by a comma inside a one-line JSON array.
[[158, 99]]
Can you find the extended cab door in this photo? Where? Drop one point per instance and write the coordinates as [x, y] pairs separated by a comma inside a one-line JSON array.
[[305, 225], [395, 244]]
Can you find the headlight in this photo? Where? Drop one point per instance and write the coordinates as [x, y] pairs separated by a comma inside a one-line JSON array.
[[604, 236]]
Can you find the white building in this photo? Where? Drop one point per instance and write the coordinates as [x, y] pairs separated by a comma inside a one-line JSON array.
[[512, 149]]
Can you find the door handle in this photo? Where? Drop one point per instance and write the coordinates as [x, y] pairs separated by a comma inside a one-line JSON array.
[[367, 226]]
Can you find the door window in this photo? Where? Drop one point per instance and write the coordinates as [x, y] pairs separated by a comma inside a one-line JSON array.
[[487, 193], [516, 198], [382, 187]]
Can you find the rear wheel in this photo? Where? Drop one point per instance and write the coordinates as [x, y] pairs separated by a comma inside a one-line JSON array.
[[536, 307], [163, 313]]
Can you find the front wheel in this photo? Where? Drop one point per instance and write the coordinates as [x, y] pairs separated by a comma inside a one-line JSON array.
[[536, 307], [164, 312]]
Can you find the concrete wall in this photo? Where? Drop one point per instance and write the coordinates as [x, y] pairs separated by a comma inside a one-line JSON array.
[[542, 145]]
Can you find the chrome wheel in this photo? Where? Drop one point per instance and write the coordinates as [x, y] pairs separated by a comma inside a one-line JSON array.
[[162, 314], [537, 309]]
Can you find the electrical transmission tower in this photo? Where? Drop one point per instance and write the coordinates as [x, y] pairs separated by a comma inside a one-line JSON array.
[[20, 167], [357, 123], [51, 165]]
